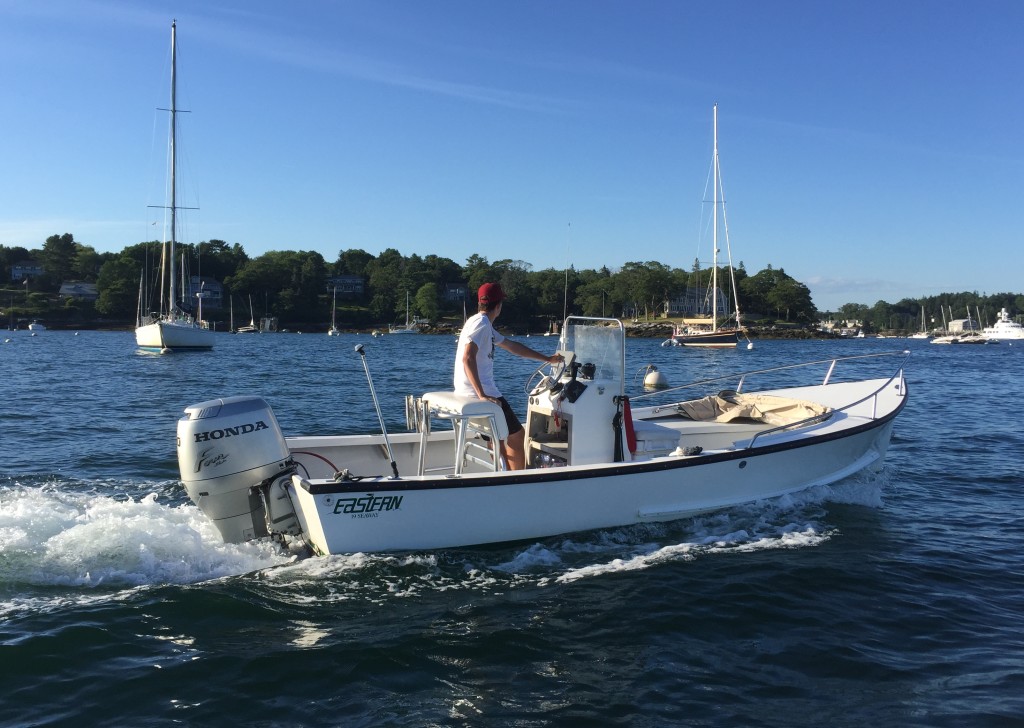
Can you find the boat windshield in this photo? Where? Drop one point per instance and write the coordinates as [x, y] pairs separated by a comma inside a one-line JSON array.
[[597, 341]]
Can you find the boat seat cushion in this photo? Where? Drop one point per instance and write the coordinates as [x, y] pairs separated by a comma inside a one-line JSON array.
[[654, 438], [461, 405]]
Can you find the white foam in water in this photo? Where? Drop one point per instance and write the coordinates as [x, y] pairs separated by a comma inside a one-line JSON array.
[[373, 577], [765, 525], [537, 555], [50, 537]]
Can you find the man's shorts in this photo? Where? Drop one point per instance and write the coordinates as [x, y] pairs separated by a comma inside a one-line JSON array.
[[514, 425]]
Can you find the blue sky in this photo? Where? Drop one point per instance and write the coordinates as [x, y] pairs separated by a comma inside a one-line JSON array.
[[874, 150]]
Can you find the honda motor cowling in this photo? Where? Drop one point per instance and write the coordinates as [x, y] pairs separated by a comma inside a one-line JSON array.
[[230, 451]]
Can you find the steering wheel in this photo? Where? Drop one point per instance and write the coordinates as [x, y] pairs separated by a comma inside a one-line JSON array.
[[549, 381]]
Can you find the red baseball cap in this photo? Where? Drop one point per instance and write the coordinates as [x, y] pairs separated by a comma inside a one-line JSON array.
[[490, 293]]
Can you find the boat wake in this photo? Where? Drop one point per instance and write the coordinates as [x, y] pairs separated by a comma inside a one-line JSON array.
[[96, 547], [52, 537]]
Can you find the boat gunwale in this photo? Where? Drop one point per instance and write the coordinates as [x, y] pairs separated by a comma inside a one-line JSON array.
[[372, 484]]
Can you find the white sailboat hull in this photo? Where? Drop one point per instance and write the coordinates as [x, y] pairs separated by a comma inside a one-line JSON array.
[[173, 335]]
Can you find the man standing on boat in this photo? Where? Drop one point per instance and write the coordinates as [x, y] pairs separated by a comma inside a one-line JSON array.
[[474, 366]]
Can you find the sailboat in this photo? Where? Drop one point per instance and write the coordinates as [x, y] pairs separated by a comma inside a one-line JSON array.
[[410, 324], [923, 333], [172, 328], [968, 333], [333, 331], [708, 333], [251, 328]]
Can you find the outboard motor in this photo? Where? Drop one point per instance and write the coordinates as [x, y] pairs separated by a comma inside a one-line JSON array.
[[230, 453]]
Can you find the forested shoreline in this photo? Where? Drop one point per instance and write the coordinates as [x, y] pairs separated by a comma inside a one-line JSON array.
[[294, 287]]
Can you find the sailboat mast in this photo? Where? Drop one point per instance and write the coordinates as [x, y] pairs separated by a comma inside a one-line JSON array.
[[714, 257], [173, 303]]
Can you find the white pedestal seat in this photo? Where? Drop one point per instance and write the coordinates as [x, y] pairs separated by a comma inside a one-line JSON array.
[[471, 417]]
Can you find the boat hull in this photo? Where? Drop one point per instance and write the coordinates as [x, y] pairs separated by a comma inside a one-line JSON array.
[[1004, 329], [1003, 336], [164, 335], [386, 514], [716, 339], [592, 461]]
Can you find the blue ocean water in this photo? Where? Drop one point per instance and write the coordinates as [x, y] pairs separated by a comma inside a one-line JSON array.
[[886, 600]]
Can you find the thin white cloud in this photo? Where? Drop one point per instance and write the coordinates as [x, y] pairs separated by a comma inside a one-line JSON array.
[[281, 48], [301, 54]]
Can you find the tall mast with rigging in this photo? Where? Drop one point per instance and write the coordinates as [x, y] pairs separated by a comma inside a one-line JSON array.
[[714, 238], [173, 294]]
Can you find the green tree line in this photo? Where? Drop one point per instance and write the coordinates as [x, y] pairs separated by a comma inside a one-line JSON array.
[[904, 316], [293, 286]]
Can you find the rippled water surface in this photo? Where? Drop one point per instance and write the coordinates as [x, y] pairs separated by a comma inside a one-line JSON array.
[[890, 600]]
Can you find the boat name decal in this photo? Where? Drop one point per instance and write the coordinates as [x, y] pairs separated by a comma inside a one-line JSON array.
[[367, 506], [231, 431]]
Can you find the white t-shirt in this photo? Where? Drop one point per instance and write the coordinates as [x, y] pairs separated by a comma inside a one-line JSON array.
[[477, 329]]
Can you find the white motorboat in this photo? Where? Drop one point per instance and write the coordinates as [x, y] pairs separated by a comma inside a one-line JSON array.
[[1003, 329], [591, 462], [36, 326], [171, 328], [706, 332]]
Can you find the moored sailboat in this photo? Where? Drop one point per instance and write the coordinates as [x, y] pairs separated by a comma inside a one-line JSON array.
[[707, 332], [251, 328], [171, 328], [333, 331], [411, 325], [923, 333]]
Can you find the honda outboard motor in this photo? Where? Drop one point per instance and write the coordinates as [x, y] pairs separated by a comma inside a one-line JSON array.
[[230, 452]]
